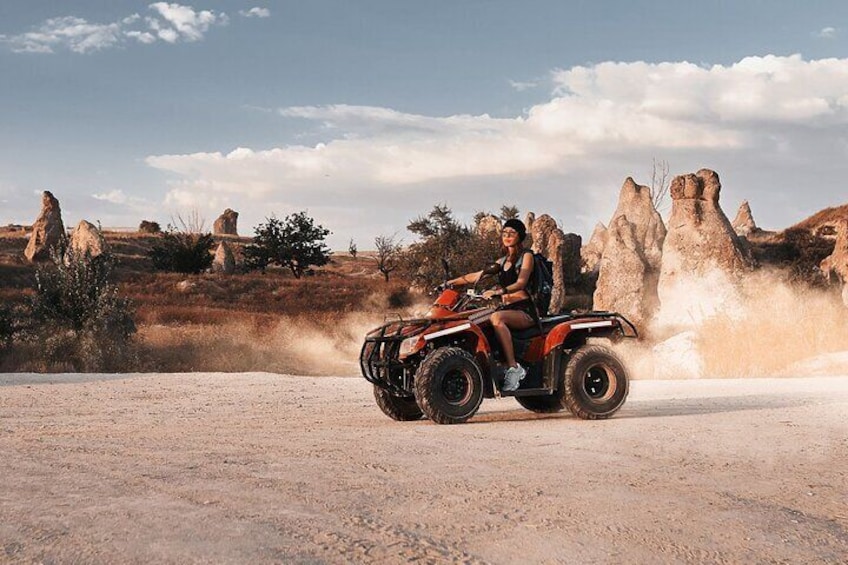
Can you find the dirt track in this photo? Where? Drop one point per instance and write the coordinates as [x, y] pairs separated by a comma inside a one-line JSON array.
[[268, 468]]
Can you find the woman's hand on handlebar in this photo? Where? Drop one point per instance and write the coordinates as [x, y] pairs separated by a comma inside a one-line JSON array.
[[492, 293]]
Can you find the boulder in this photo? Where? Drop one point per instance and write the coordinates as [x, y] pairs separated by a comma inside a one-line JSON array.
[[224, 261], [543, 227], [87, 241], [744, 224], [629, 267], [703, 259], [149, 227], [226, 224], [48, 231]]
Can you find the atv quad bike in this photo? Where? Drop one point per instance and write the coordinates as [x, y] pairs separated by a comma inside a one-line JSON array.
[[443, 365]]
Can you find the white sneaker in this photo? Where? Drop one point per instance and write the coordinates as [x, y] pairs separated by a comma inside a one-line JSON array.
[[513, 378]]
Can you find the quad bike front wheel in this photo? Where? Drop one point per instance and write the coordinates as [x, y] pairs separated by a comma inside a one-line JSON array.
[[402, 409], [449, 385], [595, 382]]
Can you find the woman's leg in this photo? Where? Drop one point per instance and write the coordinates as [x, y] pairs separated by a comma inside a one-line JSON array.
[[502, 321]]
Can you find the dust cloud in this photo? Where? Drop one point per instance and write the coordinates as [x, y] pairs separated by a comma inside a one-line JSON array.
[[764, 326]]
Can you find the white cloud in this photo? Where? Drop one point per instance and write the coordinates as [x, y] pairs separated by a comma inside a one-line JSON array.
[[170, 23], [778, 115], [522, 86], [114, 196], [827, 33], [185, 22], [256, 12]]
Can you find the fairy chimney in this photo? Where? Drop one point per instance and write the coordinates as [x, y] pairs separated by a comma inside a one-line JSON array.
[[590, 254], [224, 261], [87, 241], [744, 224], [48, 231], [488, 226], [628, 270], [226, 224], [703, 257]]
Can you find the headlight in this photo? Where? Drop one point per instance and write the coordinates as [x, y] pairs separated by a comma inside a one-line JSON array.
[[408, 346]]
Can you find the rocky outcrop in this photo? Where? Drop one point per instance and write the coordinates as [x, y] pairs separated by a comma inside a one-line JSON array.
[[48, 231], [744, 223], [489, 226], [224, 261], [86, 241], [563, 250], [226, 224], [529, 220], [702, 258], [836, 264], [591, 253], [149, 227], [623, 274], [629, 267]]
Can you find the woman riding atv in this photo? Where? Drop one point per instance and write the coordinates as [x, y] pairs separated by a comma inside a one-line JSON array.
[[518, 311]]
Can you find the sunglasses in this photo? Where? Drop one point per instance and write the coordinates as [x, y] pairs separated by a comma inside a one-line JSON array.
[[508, 233]]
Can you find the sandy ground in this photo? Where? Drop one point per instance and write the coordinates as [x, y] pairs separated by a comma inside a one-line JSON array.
[[262, 468]]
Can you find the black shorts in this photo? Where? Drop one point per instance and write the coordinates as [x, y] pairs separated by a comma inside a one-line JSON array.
[[525, 306]]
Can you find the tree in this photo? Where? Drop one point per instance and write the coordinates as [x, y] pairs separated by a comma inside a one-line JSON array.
[[659, 184], [443, 237], [388, 254], [295, 243], [351, 248], [509, 213], [184, 249]]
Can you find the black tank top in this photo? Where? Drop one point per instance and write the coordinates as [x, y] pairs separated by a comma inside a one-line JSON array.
[[509, 276]]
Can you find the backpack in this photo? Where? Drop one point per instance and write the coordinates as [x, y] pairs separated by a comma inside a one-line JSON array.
[[541, 285]]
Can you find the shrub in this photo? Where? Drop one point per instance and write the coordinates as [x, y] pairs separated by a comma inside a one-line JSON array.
[[183, 251], [78, 316], [443, 237], [7, 328], [295, 243]]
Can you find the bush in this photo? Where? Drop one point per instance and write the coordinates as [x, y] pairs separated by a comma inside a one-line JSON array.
[[78, 316], [295, 243], [7, 327], [183, 251], [443, 237]]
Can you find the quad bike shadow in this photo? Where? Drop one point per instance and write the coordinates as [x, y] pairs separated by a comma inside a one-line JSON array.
[[444, 364]]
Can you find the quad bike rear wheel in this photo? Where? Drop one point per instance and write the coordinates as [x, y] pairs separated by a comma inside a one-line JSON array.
[[449, 385], [402, 409], [595, 382]]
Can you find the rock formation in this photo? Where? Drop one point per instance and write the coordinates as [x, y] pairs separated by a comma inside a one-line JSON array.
[[744, 224], [226, 224], [702, 258], [224, 261], [590, 254], [48, 231], [628, 271], [489, 226], [149, 227], [529, 220], [837, 262], [87, 241], [563, 250], [623, 273]]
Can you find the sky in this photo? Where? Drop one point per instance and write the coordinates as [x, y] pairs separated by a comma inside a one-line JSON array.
[[367, 113]]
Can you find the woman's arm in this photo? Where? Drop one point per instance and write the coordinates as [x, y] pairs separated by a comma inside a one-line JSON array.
[[470, 278]]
